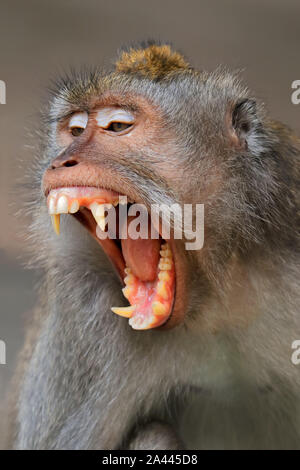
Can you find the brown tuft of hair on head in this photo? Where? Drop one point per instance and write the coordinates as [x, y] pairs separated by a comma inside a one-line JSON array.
[[154, 61]]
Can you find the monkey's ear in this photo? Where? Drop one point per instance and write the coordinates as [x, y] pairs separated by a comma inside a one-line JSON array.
[[244, 123]]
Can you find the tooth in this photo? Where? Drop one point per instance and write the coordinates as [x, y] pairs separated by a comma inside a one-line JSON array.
[[127, 291], [136, 323], [124, 311], [127, 270], [164, 276], [96, 209], [98, 213], [132, 323], [74, 207], [158, 308], [129, 279], [55, 219], [93, 207], [51, 206], [101, 222], [152, 321], [162, 290], [166, 253], [165, 264], [62, 205], [100, 209]]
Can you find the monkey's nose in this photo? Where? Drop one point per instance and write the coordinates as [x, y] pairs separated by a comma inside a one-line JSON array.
[[64, 161]]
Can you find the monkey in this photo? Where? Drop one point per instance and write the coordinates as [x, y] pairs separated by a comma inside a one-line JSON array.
[[196, 353]]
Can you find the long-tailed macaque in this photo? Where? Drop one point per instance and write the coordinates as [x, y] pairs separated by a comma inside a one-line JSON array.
[[202, 359]]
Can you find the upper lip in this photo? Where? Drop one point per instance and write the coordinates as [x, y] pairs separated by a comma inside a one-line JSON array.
[[87, 175]]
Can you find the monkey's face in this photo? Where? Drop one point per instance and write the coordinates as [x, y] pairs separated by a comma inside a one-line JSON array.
[[114, 166]]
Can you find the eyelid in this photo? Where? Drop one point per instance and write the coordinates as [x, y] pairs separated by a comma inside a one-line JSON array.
[[79, 120], [108, 115]]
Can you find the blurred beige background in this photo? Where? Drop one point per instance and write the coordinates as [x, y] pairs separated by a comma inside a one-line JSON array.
[[39, 39]]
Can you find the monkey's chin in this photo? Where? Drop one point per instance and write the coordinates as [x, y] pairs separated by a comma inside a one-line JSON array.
[[146, 266]]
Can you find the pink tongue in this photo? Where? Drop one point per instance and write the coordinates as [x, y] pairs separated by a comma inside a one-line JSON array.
[[142, 256]]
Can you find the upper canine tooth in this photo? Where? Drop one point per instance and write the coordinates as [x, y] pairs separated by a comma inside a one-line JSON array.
[[93, 207], [100, 209], [98, 213], [74, 207], [51, 206], [55, 219], [101, 222], [62, 205]]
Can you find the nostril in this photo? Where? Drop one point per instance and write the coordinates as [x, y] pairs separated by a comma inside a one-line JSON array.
[[66, 163], [70, 163]]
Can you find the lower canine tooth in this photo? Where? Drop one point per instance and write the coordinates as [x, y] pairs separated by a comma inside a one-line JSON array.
[[158, 308], [124, 311], [55, 219]]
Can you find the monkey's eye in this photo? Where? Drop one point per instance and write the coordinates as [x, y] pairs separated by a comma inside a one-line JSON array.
[[78, 123], [114, 119], [118, 126], [76, 131]]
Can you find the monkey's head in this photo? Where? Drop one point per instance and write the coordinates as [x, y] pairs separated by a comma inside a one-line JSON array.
[[155, 132]]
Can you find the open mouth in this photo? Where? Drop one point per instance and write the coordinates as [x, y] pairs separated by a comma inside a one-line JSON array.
[[146, 266]]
